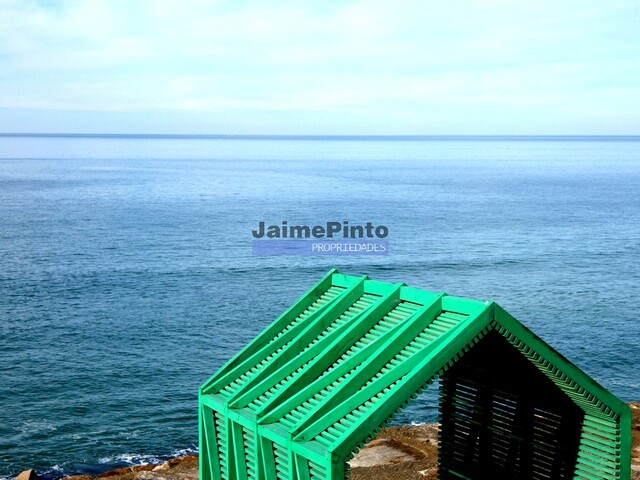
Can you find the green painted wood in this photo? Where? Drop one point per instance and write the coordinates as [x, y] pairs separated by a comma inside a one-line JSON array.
[[302, 467], [267, 334], [333, 347], [210, 468], [353, 392], [271, 413], [315, 385], [264, 349], [424, 368], [204, 466], [559, 361], [229, 461], [268, 376], [240, 462], [625, 443]]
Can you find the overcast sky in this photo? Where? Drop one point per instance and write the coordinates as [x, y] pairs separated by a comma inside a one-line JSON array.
[[321, 67]]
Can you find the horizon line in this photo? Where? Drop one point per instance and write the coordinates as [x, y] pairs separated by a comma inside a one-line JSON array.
[[205, 136]]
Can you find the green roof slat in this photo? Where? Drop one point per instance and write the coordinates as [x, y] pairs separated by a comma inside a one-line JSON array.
[[267, 334], [315, 422], [333, 346], [272, 348], [355, 356], [313, 328], [428, 365], [290, 372]]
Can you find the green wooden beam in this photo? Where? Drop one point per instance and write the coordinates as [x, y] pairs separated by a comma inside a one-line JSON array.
[[559, 361], [302, 467], [331, 409], [211, 466], [329, 348], [240, 463], [292, 350], [266, 459], [258, 355], [313, 371], [430, 360], [229, 439], [625, 443], [271, 413], [337, 468], [204, 469], [312, 451], [211, 438], [274, 328]]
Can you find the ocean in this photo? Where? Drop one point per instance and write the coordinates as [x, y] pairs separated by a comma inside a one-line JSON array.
[[127, 276]]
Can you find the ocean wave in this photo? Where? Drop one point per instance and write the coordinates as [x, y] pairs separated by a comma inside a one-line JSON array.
[[130, 459], [56, 471], [145, 459], [181, 452], [107, 463], [35, 426]]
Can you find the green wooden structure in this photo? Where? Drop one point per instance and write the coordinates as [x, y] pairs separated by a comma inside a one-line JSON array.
[[321, 381]]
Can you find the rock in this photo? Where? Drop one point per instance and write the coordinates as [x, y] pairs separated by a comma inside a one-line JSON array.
[[121, 472], [180, 460], [28, 475], [429, 472], [399, 453]]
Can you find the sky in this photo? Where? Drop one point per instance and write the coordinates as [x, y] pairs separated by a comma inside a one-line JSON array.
[[414, 67]]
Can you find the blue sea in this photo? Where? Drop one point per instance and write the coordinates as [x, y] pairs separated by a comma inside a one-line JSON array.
[[127, 276]]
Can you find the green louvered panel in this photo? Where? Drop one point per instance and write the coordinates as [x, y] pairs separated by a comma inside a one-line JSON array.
[[364, 302], [501, 419], [248, 439], [396, 316], [220, 425], [599, 453], [326, 298], [440, 325], [316, 471], [563, 381], [281, 457]]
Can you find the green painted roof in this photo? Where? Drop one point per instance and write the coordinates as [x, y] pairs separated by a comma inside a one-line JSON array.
[[327, 374]]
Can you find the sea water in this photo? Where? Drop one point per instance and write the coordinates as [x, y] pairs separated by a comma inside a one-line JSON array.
[[127, 276]]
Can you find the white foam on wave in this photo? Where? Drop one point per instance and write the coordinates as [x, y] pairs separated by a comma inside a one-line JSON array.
[[130, 459], [35, 426], [181, 452], [56, 471], [143, 459]]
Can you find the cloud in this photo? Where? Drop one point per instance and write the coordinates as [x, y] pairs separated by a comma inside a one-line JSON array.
[[355, 58]]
